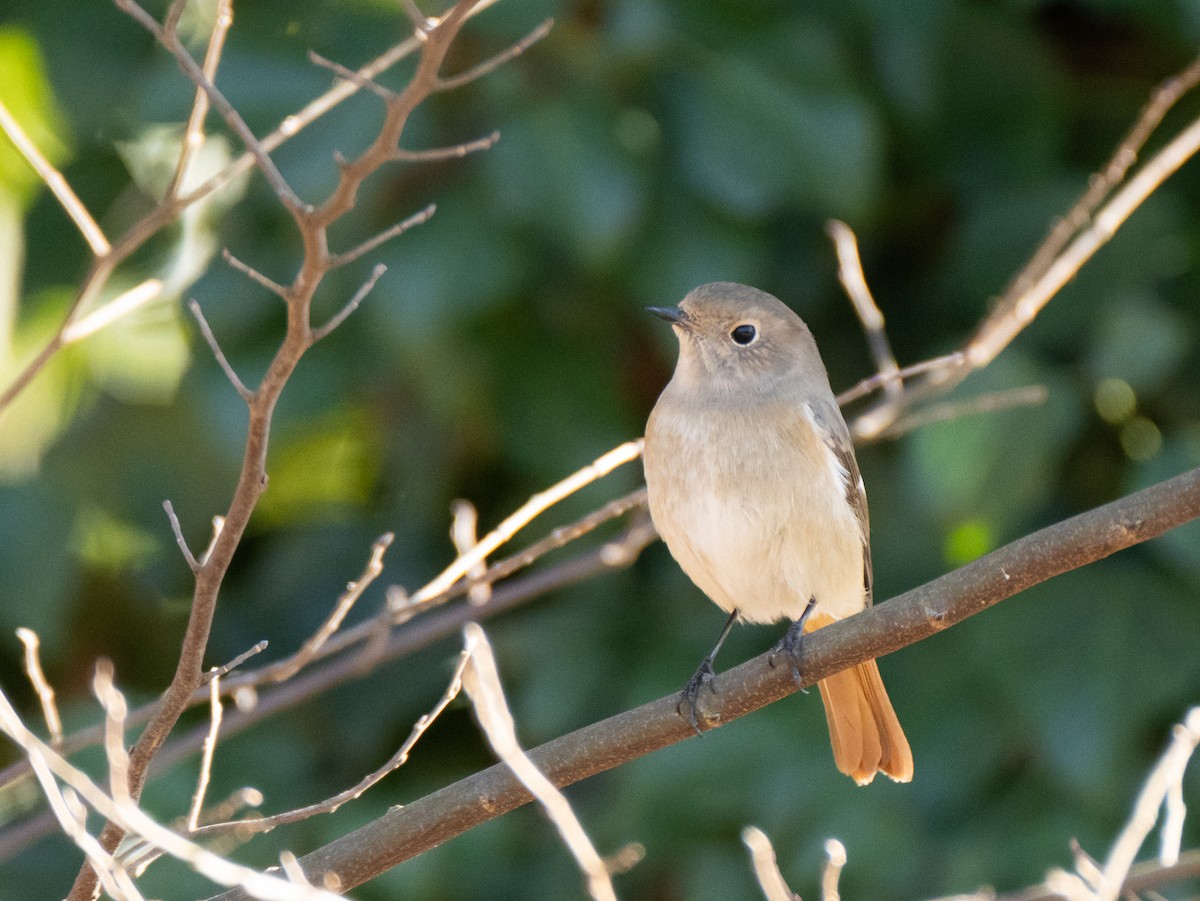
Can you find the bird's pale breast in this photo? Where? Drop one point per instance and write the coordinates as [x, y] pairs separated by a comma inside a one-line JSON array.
[[753, 508]]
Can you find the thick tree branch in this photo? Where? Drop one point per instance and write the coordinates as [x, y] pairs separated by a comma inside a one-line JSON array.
[[405, 832]]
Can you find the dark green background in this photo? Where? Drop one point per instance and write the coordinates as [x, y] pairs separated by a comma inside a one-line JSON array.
[[647, 147]]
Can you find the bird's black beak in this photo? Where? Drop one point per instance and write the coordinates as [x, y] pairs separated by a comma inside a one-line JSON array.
[[673, 315]]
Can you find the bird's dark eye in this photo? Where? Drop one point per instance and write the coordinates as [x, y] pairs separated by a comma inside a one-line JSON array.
[[744, 334]]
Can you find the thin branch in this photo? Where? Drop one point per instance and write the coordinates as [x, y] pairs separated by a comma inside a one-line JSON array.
[[1066, 250], [169, 38], [992, 402], [1102, 184], [482, 683], [177, 530], [1143, 877], [238, 385], [37, 678], [122, 305], [221, 671], [170, 208], [881, 629], [419, 218], [455, 151], [465, 521], [854, 281], [831, 873], [193, 136], [876, 381], [1166, 774], [329, 805], [350, 75], [252, 273], [766, 868], [618, 552], [359, 296], [49, 764], [491, 65], [56, 183], [308, 651], [602, 466], [206, 756], [421, 23]]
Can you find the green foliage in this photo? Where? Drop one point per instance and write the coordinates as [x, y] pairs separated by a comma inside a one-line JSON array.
[[646, 147]]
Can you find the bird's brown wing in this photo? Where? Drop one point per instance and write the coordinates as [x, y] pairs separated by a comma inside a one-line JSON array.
[[832, 429]]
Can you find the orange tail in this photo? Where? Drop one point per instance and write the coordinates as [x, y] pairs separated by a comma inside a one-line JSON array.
[[863, 729]]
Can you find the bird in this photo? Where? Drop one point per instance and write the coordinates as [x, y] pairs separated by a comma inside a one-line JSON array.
[[753, 485]]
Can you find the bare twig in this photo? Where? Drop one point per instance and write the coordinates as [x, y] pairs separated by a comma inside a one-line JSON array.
[[329, 805], [879, 630], [193, 136], [48, 764], [1026, 396], [167, 211], [1167, 774], [603, 465], [350, 75], [120, 306], [56, 183], [831, 873], [351, 305], [463, 534], [455, 151], [224, 669], [37, 678], [1102, 184], [876, 381], [1067, 248], [177, 530], [850, 274], [167, 35], [384, 236], [210, 748], [482, 683], [491, 65], [314, 643], [766, 868], [253, 274], [211, 340]]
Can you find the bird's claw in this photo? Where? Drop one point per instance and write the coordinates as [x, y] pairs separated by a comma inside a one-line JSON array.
[[791, 645], [704, 676]]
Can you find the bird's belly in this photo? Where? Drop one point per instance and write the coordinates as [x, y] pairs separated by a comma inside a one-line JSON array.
[[754, 538]]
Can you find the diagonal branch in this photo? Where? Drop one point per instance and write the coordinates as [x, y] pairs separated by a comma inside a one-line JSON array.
[[56, 183], [918, 614]]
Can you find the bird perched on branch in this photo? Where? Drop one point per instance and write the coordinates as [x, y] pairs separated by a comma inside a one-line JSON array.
[[755, 489]]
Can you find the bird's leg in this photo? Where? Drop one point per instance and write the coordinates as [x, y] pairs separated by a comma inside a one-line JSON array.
[[704, 675], [792, 640]]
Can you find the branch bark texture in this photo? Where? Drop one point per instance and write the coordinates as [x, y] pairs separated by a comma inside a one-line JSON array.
[[407, 831]]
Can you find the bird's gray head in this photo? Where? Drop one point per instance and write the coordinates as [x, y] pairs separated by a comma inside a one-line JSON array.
[[736, 338]]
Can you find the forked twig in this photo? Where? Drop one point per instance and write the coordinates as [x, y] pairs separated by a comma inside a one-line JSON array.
[[329, 805], [482, 684], [193, 135], [58, 185], [491, 65]]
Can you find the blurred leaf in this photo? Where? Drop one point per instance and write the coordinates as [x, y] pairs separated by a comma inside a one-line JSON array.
[[753, 143], [40, 412], [26, 92], [321, 466], [141, 357]]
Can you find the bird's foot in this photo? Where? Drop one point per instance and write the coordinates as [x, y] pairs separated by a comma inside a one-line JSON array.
[[704, 676], [792, 643]]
